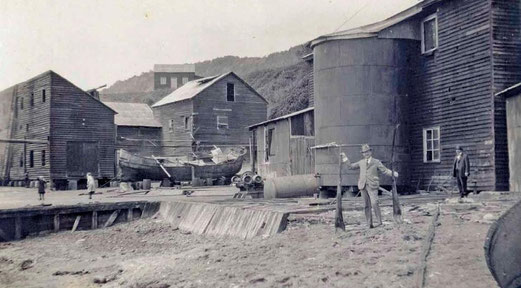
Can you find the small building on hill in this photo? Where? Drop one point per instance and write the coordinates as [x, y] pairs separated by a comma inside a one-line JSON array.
[[173, 76], [513, 111], [137, 131], [66, 131], [282, 146], [210, 111]]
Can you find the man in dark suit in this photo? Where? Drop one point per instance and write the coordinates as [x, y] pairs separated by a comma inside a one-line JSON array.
[[369, 182], [461, 170]]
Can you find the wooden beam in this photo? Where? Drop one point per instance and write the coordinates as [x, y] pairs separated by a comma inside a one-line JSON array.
[[94, 220], [111, 219], [56, 222], [18, 228], [130, 214], [23, 141], [76, 222]]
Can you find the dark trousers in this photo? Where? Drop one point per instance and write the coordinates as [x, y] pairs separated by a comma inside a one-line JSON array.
[[462, 186]]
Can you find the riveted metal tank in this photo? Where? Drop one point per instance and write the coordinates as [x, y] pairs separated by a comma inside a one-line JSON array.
[[361, 91]]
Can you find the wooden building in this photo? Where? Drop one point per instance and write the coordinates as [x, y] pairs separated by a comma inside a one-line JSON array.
[[513, 110], [73, 132], [282, 145], [210, 111], [433, 68], [173, 76], [137, 131]]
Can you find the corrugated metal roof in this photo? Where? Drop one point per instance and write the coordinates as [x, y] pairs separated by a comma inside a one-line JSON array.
[[194, 87], [133, 114], [174, 68], [282, 117]]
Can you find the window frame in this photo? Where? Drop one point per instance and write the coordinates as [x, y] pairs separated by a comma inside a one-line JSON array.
[[429, 18], [184, 80], [228, 85], [227, 124], [43, 159], [171, 125], [162, 80], [31, 158], [268, 151], [173, 79], [44, 96], [432, 150]]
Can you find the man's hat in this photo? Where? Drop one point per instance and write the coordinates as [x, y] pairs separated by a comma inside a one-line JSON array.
[[458, 147], [365, 148]]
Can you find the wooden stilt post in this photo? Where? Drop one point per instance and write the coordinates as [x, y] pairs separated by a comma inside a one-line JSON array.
[[130, 215], [94, 220], [339, 218], [76, 223], [111, 219], [56, 222], [18, 228]]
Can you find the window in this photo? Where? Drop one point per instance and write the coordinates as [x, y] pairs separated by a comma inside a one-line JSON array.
[[222, 122], [26, 127], [230, 92], [162, 80], [429, 30], [303, 125], [43, 158], [173, 82], [22, 160], [31, 158], [43, 96], [21, 103], [171, 125], [31, 100], [186, 123], [268, 143], [431, 145], [185, 79], [16, 109]]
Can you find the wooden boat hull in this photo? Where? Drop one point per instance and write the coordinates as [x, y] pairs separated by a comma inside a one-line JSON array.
[[503, 248], [136, 168]]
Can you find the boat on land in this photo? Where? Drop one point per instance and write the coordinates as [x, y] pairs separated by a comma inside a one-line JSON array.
[[136, 168]]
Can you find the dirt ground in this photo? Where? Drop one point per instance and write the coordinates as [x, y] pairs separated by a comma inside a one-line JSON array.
[[150, 253]]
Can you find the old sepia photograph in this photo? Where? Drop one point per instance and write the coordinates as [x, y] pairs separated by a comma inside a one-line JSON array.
[[260, 143]]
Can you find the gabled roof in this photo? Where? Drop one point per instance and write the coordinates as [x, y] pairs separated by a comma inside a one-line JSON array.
[[282, 117], [133, 114], [373, 29], [194, 87]]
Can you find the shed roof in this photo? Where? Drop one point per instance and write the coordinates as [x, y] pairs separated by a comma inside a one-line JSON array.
[[133, 114], [510, 91], [194, 87], [372, 30], [282, 117]]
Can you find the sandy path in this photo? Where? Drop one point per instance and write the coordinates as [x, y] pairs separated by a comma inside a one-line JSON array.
[[149, 253]]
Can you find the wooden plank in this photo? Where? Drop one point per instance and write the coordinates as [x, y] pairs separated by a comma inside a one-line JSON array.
[[76, 223], [111, 219], [17, 228]]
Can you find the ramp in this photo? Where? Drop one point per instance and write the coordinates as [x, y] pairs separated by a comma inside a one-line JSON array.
[[222, 220]]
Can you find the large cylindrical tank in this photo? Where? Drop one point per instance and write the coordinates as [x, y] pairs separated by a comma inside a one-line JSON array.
[[361, 91], [290, 186]]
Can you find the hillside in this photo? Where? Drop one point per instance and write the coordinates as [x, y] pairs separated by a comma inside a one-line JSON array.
[[282, 78]]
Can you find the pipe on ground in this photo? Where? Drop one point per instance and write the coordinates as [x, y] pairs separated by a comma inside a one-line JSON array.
[[290, 186]]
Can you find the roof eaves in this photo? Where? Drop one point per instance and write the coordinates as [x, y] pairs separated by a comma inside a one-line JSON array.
[[510, 91], [281, 117]]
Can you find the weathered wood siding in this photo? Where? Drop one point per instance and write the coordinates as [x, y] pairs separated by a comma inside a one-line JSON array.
[[506, 51], [279, 163], [247, 109], [176, 141], [291, 155], [76, 116], [145, 141], [513, 107], [7, 106], [31, 122], [454, 92]]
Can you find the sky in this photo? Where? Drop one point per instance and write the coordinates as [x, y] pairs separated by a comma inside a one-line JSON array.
[[95, 42]]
